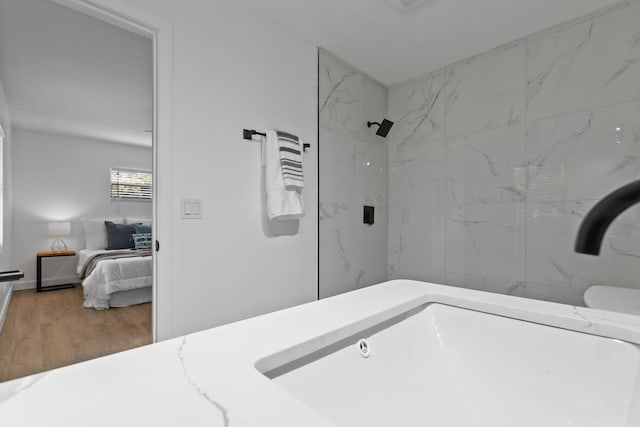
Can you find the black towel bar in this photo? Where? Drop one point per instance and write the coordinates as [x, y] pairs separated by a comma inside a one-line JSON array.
[[248, 134]]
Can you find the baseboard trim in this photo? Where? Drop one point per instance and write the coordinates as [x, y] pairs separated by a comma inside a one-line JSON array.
[[31, 284]]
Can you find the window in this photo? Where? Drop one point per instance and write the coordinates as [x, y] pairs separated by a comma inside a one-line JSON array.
[[131, 184]]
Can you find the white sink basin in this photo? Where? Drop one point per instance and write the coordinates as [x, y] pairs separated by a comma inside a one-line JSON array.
[[439, 365]]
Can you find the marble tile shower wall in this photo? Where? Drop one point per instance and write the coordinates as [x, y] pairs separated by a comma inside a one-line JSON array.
[[494, 161], [353, 173]]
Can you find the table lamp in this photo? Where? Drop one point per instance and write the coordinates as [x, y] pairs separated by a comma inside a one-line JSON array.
[[59, 229]]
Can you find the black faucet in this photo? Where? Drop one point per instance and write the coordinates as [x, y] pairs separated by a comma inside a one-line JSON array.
[[599, 218]]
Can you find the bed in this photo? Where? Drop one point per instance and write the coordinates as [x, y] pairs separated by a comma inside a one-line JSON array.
[[113, 278], [115, 282]]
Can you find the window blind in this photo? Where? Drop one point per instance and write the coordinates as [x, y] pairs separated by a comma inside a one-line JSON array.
[[131, 184]]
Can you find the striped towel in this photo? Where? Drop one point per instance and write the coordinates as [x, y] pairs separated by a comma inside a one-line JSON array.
[[291, 161], [281, 204]]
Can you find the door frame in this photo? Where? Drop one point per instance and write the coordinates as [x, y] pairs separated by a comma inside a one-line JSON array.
[[135, 19]]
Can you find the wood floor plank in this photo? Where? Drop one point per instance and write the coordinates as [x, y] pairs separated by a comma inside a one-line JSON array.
[[48, 330]]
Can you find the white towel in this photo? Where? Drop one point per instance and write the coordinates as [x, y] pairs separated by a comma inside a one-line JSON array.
[[291, 161], [282, 204]]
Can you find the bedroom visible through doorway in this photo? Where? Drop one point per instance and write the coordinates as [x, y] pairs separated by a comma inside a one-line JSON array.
[[80, 93]]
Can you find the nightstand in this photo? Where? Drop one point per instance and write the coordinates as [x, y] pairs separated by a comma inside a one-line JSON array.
[[50, 254]]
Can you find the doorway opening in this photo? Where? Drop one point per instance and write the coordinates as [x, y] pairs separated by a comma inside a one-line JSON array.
[[84, 161]]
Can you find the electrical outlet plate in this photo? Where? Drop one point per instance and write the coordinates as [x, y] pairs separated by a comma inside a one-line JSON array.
[[191, 208]]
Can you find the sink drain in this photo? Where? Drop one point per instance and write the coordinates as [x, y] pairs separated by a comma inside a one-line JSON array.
[[363, 348]]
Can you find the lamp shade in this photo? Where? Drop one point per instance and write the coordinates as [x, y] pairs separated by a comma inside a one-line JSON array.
[[59, 228]]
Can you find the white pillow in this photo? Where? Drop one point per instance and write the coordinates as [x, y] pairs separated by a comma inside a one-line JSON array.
[[143, 221], [95, 233]]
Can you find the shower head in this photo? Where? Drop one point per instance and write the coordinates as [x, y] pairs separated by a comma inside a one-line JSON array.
[[383, 128]]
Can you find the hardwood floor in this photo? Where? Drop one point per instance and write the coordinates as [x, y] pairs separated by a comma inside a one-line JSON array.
[[48, 330]]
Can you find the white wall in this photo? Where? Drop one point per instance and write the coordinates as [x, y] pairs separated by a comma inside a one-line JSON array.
[[5, 122], [62, 178], [5, 254], [233, 69]]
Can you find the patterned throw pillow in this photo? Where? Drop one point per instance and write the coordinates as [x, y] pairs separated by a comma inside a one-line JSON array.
[[142, 229], [142, 240]]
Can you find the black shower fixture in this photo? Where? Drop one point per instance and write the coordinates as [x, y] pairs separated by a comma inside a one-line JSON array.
[[383, 128]]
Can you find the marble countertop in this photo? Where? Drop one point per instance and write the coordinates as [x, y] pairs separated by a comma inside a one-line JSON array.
[[209, 378]]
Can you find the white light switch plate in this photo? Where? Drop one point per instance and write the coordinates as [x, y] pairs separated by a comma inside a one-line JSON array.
[[191, 208]]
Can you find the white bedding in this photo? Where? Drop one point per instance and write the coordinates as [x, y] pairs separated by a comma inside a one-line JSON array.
[[112, 275]]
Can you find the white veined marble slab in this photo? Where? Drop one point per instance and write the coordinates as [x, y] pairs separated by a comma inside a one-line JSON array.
[[589, 65], [214, 377]]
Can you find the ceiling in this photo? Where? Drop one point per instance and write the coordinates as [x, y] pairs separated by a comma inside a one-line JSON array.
[[393, 45], [68, 73]]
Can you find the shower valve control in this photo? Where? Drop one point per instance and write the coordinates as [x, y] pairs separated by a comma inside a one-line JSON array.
[[369, 215]]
